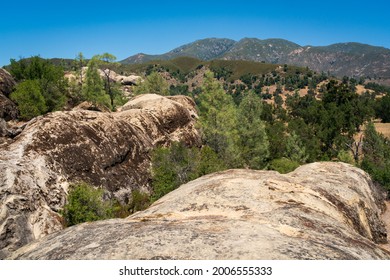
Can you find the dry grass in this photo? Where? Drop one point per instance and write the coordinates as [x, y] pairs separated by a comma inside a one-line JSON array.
[[383, 128], [361, 89]]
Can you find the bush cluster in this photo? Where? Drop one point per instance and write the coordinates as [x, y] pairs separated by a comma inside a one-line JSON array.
[[86, 204]]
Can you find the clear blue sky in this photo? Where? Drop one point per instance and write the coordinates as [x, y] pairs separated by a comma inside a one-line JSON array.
[[123, 28]]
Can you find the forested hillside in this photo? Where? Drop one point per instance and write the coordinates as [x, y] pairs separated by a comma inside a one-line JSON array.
[[341, 59]]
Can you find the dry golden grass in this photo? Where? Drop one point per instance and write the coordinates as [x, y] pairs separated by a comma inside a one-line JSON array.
[[383, 128], [361, 89]]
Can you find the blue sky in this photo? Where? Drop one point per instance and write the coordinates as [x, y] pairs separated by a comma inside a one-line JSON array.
[[123, 28]]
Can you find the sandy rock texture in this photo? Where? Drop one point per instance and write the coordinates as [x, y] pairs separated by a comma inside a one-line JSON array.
[[320, 211], [104, 149]]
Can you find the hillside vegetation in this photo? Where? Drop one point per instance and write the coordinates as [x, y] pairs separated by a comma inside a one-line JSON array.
[[342, 59], [250, 114]]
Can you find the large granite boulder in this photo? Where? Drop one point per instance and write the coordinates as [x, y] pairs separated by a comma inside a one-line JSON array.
[[320, 211], [105, 149]]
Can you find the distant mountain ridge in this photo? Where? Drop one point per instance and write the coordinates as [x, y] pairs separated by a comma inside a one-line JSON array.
[[341, 59]]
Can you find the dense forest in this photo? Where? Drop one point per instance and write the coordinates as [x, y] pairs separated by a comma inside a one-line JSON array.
[[251, 115]]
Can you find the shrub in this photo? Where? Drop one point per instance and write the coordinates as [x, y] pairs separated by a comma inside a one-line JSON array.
[[346, 156], [85, 204], [172, 167], [208, 162], [283, 165], [139, 201], [177, 165], [30, 100]]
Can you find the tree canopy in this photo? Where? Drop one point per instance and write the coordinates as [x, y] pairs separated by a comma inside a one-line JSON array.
[[42, 89], [218, 119], [154, 83]]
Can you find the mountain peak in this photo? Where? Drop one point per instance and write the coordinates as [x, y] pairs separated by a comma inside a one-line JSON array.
[[340, 59], [204, 49]]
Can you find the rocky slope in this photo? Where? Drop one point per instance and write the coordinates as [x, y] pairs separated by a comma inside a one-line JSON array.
[[104, 149], [320, 211], [344, 59]]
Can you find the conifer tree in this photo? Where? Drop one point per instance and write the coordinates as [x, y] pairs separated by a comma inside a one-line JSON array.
[[295, 150], [218, 118], [93, 89], [106, 62], [253, 140], [154, 83], [376, 156]]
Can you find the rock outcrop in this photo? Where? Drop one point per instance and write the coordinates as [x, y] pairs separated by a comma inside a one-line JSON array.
[[129, 80], [320, 211], [104, 149], [8, 109], [90, 106], [124, 80], [7, 83]]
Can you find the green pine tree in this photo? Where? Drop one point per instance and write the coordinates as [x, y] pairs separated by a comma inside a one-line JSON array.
[[295, 150], [376, 156], [253, 140], [93, 89], [218, 119], [154, 83]]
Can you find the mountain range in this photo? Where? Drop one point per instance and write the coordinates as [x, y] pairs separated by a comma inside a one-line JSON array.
[[341, 59]]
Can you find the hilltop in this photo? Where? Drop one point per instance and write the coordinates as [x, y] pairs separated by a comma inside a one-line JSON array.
[[341, 59]]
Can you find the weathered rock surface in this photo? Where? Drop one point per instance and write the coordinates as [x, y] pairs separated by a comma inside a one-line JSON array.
[[124, 80], [320, 211], [8, 109], [4, 130], [104, 149], [129, 80], [90, 106], [7, 83]]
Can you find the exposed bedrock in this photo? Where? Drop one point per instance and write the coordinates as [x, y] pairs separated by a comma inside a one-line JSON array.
[[105, 149], [320, 211]]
